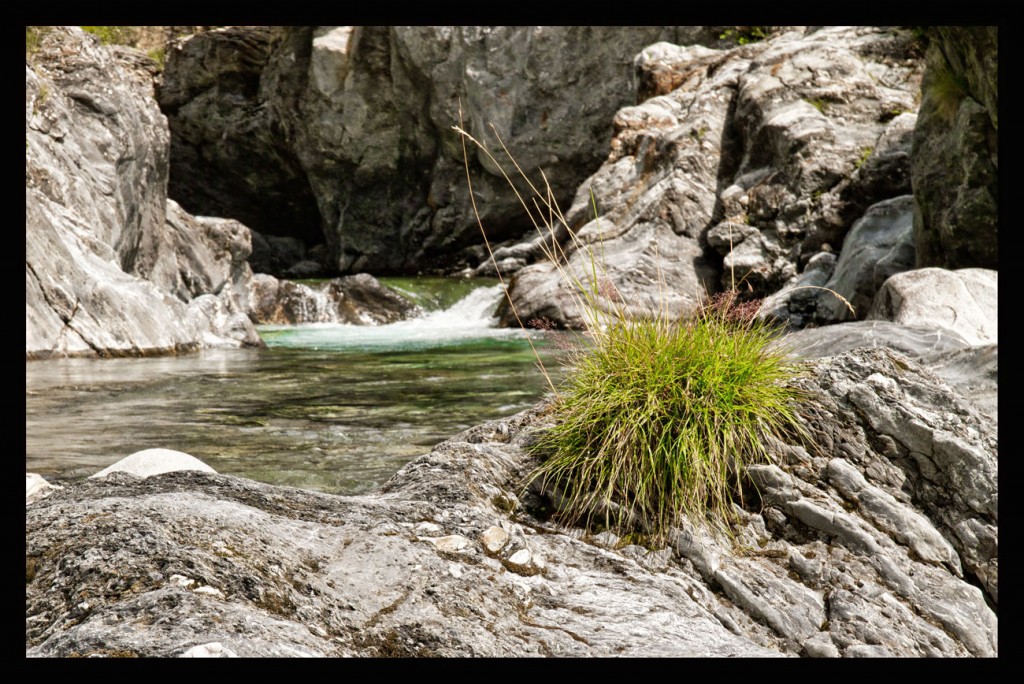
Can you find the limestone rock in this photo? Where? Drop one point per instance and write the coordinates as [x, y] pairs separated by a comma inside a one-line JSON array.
[[110, 265], [914, 341], [762, 156], [151, 462], [879, 245], [494, 539], [36, 487], [964, 301]]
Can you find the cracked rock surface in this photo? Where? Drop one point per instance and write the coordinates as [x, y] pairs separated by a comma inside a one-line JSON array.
[[880, 538]]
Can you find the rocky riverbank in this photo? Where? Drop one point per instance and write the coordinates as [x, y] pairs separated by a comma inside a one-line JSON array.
[[881, 539], [844, 158]]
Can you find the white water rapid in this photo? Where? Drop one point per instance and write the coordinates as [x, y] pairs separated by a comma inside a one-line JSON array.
[[471, 318]]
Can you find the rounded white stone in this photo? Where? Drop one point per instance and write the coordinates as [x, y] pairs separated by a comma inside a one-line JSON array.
[[451, 544], [520, 558], [155, 462]]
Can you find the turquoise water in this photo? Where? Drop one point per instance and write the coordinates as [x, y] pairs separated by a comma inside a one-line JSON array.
[[327, 407]]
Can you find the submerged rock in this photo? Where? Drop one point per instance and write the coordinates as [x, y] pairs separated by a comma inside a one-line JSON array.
[[882, 539]]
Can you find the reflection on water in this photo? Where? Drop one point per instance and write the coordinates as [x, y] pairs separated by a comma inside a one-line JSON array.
[[333, 408]]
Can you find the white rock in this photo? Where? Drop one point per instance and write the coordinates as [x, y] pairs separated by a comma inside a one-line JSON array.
[[965, 301], [494, 539], [36, 487], [154, 462], [209, 591], [520, 558], [427, 528], [214, 649], [181, 581], [453, 543]]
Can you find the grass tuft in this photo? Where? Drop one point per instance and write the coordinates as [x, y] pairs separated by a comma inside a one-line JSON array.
[[658, 416], [659, 419]]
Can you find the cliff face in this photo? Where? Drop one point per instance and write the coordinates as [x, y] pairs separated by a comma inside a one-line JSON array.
[[748, 165], [351, 129], [955, 158], [111, 266]]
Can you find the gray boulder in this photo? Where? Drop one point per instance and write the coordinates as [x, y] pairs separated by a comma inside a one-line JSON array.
[[913, 341], [964, 301], [879, 245], [878, 539], [111, 267], [759, 159]]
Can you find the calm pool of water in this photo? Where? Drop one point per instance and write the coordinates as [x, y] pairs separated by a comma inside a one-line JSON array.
[[334, 408]]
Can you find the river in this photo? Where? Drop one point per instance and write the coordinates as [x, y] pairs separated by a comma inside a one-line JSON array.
[[334, 408]]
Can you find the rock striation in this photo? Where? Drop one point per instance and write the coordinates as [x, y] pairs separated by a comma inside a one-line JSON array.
[[879, 538], [112, 267], [748, 166]]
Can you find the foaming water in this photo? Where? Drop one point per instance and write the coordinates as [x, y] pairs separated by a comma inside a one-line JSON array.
[[471, 318]]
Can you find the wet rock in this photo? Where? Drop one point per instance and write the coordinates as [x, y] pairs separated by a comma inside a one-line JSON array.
[[358, 299]]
